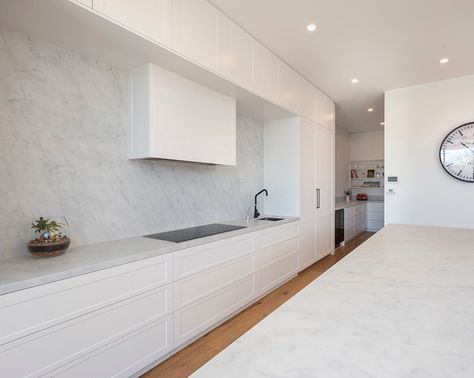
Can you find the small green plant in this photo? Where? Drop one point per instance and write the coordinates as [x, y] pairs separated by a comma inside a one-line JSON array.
[[47, 228]]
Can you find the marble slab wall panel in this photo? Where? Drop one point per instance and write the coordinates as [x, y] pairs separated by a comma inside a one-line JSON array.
[[63, 126]]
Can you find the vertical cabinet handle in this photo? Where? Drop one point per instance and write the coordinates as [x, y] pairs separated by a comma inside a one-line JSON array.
[[318, 198]]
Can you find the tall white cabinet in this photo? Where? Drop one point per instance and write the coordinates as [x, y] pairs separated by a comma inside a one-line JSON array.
[[299, 175]]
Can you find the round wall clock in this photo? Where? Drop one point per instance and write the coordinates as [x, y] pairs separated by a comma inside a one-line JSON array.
[[457, 153]]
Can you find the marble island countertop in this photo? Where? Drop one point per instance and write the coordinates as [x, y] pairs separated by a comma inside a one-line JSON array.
[[22, 272], [400, 305]]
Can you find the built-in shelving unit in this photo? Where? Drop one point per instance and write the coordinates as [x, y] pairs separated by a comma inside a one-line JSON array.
[[367, 177]]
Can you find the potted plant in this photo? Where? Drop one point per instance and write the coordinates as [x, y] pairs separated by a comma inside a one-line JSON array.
[[51, 241], [348, 194]]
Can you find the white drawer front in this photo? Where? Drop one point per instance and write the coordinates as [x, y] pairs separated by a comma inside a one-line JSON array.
[[193, 260], [126, 356], [276, 252], [375, 206], [349, 212], [190, 321], [63, 300], [274, 235], [374, 225], [360, 209], [375, 215], [274, 274], [54, 347], [193, 288]]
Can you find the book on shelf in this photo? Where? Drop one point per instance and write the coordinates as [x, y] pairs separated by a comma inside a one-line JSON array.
[[354, 174]]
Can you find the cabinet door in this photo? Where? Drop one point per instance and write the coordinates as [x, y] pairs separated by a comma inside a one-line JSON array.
[[305, 99], [307, 169], [151, 18], [324, 235], [287, 87], [325, 191], [307, 243], [197, 32], [237, 54], [324, 170], [324, 110], [265, 71], [87, 3]]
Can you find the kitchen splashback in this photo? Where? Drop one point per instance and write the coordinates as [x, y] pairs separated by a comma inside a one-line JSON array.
[[63, 125]]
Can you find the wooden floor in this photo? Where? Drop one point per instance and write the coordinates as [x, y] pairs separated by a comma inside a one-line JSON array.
[[191, 358]]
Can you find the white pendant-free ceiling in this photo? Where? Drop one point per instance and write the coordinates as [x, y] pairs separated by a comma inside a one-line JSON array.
[[385, 44]]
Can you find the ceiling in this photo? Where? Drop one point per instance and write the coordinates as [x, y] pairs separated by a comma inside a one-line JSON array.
[[386, 44]]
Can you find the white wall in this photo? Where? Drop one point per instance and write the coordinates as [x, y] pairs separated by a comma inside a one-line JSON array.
[[63, 148], [342, 161], [367, 146], [417, 119]]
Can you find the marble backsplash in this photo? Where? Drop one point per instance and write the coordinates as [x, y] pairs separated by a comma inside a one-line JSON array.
[[63, 125]]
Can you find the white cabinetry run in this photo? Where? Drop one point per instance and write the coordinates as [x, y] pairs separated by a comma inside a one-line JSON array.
[[299, 175], [160, 128], [122, 320]]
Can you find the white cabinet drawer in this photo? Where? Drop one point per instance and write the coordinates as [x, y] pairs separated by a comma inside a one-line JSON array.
[[375, 215], [190, 321], [57, 346], [193, 288], [360, 209], [349, 212], [274, 274], [374, 225], [126, 356], [375, 206], [60, 301], [276, 252], [194, 260], [276, 235]]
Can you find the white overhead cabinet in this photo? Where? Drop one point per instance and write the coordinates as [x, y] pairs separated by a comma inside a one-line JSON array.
[[176, 118], [237, 54], [265, 72], [150, 18], [87, 3], [197, 32], [287, 87], [306, 102], [325, 112]]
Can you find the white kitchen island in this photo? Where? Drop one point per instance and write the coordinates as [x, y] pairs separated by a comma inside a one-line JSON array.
[[401, 305]]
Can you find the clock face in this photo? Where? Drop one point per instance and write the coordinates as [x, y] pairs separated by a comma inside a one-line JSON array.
[[457, 153]]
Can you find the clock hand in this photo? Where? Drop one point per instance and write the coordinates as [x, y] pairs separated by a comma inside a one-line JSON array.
[[465, 145]]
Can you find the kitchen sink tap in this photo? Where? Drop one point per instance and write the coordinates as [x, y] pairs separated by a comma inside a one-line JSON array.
[[256, 214]]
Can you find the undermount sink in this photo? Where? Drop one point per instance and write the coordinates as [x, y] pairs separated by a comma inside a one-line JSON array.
[[271, 219]]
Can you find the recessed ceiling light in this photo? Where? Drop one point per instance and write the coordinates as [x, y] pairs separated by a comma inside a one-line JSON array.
[[355, 80], [444, 61], [382, 123], [370, 110], [311, 27]]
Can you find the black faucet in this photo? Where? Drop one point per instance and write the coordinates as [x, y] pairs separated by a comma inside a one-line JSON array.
[[256, 214]]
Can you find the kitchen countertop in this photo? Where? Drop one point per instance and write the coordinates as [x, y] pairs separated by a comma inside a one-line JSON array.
[[342, 204], [22, 272], [400, 305]]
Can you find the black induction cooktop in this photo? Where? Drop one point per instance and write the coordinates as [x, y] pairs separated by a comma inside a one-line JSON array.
[[191, 233]]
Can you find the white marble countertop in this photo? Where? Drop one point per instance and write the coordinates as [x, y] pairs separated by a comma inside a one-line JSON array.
[[400, 305], [22, 272], [343, 204]]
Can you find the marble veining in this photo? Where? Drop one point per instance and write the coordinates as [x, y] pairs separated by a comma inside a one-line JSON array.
[[23, 272], [400, 305], [63, 126]]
